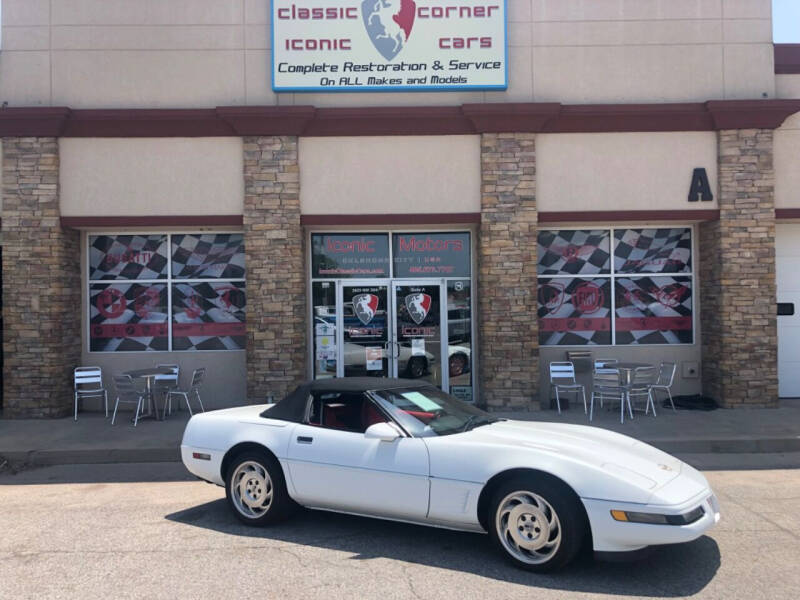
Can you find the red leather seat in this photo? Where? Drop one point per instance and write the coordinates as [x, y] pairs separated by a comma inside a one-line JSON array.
[[370, 414]]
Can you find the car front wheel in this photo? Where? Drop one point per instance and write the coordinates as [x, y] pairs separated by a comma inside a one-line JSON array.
[[537, 523], [256, 489]]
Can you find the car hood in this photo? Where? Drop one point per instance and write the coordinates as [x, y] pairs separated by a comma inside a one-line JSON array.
[[614, 455]]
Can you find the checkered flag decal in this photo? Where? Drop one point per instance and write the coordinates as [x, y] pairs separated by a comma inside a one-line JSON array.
[[208, 316], [127, 257], [128, 317], [654, 310], [219, 256], [574, 252], [574, 311], [653, 250]]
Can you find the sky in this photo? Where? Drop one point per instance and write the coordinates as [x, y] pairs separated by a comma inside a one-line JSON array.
[[786, 21]]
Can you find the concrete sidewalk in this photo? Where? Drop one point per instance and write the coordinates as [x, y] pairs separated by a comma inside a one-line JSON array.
[[92, 439]]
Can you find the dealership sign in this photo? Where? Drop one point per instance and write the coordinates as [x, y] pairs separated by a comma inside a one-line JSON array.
[[386, 45]]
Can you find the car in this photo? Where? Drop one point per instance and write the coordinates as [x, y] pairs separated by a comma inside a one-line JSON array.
[[404, 450]]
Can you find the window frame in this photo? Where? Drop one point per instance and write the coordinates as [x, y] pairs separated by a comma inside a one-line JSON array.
[[169, 281], [612, 276]]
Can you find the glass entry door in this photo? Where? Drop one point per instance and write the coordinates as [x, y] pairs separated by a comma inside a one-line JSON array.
[[364, 329], [417, 331]]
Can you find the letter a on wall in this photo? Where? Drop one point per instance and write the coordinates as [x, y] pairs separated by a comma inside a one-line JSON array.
[[701, 189]]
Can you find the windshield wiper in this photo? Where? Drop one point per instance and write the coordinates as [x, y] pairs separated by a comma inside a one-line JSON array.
[[475, 423]]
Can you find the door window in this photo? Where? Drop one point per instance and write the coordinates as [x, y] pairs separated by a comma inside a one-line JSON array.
[[365, 331], [419, 340]]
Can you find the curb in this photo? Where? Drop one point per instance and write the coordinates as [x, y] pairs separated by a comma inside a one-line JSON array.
[[50, 457]]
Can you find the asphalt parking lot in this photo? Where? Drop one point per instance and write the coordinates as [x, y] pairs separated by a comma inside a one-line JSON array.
[[148, 531]]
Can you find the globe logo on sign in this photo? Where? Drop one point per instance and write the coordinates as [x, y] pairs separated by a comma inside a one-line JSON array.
[[388, 24]]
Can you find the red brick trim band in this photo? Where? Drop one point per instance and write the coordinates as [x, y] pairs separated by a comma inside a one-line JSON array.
[[618, 216], [391, 219], [418, 120], [787, 213], [153, 221], [787, 59]]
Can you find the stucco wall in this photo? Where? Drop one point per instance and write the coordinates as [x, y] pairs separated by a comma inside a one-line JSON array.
[[787, 163], [186, 53], [623, 171], [414, 174], [164, 176]]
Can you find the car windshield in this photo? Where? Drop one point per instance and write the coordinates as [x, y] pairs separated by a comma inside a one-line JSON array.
[[427, 411]]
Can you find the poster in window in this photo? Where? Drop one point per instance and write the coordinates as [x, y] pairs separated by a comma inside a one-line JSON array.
[[209, 316], [569, 252], [653, 250], [654, 310], [574, 311], [128, 317], [208, 256], [128, 257]]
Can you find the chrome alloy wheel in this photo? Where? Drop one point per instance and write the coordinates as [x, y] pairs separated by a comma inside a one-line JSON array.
[[251, 489], [528, 527]]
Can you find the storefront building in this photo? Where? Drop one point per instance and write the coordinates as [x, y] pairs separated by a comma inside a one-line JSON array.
[[291, 190]]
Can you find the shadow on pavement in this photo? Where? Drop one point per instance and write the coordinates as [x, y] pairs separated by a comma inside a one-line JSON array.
[[670, 571], [94, 473]]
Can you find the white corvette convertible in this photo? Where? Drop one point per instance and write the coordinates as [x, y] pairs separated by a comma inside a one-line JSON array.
[[404, 450]]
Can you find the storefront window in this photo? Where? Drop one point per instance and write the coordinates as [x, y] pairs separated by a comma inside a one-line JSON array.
[[202, 274], [649, 304], [459, 332], [323, 296]]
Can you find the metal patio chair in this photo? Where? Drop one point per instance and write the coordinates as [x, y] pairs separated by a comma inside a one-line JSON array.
[[562, 378], [605, 384], [165, 383], [127, 393], [194, 390], [666, 377], [88, 382], [641, 384]]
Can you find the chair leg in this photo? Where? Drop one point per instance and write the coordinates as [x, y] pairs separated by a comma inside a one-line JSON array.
[[622, 408], [630, 407], [650, 400], [105, 401], [591, 407], [558, 402], [76, 406], [199, 401], [670, 399], [116, 406], [583, 393], [139, 408]]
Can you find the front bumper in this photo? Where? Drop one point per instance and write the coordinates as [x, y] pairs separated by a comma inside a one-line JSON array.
[[616, 536]]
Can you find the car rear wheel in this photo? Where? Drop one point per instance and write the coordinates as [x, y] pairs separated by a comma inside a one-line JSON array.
[[416, 367], [458, 364], [256, 489], [537, 523]]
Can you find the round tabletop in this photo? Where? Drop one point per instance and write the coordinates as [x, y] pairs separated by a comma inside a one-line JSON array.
[[628, 365], [151, 372]]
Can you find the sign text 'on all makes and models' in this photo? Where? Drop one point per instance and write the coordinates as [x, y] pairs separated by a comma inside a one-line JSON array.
[[383, 45]]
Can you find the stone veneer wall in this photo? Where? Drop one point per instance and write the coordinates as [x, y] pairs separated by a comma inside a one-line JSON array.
[[509, 343], [276, 287], [41, 284], [737, 276]]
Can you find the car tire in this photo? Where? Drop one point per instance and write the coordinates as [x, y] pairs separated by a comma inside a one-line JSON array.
[[537, 522], [457, 365], [256, 489], [416, 367]]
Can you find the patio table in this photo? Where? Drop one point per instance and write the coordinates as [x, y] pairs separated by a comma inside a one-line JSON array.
[[149, 375], [626, 370]]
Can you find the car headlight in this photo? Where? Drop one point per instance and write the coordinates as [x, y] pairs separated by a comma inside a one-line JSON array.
[[658, 519]]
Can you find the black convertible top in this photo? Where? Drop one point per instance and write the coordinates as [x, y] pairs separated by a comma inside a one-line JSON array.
[[293, 406]]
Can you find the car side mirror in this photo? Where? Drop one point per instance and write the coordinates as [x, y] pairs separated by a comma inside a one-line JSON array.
[[381, 431]]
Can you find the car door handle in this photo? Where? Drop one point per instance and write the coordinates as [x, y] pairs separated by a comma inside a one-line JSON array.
[[302, 439]]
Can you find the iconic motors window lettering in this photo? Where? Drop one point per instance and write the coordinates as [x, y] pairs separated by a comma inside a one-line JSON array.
[[347, 256], [574, 311], [128, 317], [127, 257], [372, 45], [649, 307], [653, 310], [208, 256], [574, 252], [653, 250], [135, 316], [208, 316], [431, 254]]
